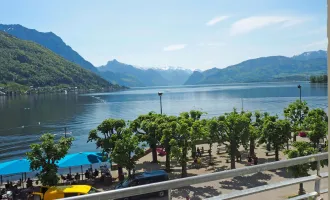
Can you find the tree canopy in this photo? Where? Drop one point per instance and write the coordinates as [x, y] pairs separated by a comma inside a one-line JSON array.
[[126, 149], [235, 127], [276, 132], [189, 129], [316, 122], [295, 113], [43, 156], [145, 126]]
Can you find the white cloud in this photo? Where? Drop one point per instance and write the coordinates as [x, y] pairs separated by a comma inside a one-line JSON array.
[[249, 24], [216, 20], [292, 22], [174, 47], [322, 44]]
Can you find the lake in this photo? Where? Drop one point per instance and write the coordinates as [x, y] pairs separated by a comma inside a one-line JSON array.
[[24, 118]]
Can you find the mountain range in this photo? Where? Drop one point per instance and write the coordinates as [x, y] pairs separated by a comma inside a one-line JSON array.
[[272, 68], [124, 74], [50, 41], [24, 64], [113, 71]]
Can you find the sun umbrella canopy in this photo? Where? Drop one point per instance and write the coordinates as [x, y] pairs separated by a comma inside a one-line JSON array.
[[15, 167], [70, 160], [82, 158]]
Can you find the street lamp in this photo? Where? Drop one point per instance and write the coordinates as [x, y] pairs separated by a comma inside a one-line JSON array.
[[299, 86], [160, 99]]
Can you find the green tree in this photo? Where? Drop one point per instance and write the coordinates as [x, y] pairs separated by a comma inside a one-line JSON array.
[[235, 127], [43, 156], [212, 135], [107, 128], [295, 113], [145, 126], [255, 130], [301, 148], [126, 150], [276, 132], [195, 115], [167, 130], [316, 122], [312, 79], [189, 130]]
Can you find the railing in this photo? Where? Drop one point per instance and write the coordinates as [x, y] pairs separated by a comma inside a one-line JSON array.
[[178, 183]]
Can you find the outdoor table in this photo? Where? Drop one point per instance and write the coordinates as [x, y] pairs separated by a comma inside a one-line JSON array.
[[104, 170]]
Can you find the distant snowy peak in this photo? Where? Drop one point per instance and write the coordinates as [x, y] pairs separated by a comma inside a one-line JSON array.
[[311, 55], [170, 68]]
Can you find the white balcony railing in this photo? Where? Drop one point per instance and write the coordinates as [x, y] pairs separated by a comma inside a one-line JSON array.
[[178, 183]]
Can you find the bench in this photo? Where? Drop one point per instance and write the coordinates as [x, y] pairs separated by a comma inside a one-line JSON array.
[[268, 152]]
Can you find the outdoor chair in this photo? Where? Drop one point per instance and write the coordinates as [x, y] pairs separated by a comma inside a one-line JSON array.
[[63, 178]]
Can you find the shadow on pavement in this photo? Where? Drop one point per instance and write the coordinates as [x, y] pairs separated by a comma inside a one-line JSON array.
[[238, 183], [197, 192]]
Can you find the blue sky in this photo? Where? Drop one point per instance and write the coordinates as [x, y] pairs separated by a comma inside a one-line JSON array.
[[187, 33]]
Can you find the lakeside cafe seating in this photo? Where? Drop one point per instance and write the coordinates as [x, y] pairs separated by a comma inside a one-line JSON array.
[[16, 169]]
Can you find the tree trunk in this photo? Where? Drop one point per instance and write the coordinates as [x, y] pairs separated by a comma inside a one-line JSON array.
[[193, 151], [129, 172], [268, 146], [210, 154], [184, 163], [154, 153], [294, 136], [232, 156], [252, 147], [276, 153], [120, 173], [168, 159], [184, 170], [301, 189]]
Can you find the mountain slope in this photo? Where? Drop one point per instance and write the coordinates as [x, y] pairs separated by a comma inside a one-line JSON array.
[[198, 76], [121, 79], [50, 41], [272, 68], [133, 76], [29, 64]]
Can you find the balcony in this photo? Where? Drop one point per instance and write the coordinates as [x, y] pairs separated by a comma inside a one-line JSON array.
[[184, 182]]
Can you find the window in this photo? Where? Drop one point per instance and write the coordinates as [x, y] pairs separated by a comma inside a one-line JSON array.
[[144, 181], [70, 194]]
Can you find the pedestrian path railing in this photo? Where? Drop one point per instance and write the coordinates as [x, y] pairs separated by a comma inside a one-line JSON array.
[[179, 183]]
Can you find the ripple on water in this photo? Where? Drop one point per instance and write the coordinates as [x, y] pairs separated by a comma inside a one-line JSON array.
[[81, 113]]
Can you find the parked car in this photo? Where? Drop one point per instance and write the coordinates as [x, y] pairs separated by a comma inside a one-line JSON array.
[[142, 179], [59, 192]]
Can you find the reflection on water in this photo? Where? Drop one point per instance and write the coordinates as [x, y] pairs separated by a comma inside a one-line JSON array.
[[23, 119]]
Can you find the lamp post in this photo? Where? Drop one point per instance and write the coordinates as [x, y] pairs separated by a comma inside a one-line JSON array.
[[160, 99], [299, 86]]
